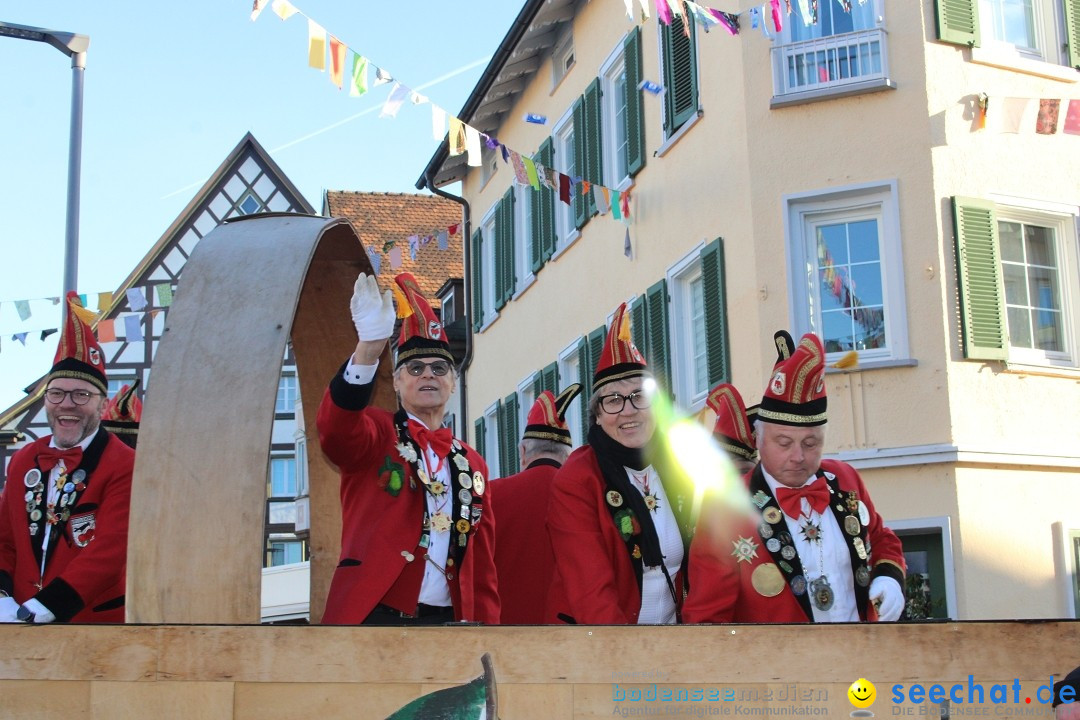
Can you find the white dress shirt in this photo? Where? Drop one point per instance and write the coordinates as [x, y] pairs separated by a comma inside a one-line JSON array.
[[829, 557], [657, 605]]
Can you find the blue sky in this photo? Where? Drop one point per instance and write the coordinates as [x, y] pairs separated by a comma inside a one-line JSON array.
[[170, 89]]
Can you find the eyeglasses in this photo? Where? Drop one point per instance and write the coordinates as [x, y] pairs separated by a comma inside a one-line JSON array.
[[416, 367], [79, 397], [614, 403]]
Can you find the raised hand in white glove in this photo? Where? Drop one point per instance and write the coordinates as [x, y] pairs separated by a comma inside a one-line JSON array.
[[373, 314], [8, 607], [886, 594]]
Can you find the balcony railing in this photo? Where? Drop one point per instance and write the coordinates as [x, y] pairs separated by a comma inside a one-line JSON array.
[[830, 62]]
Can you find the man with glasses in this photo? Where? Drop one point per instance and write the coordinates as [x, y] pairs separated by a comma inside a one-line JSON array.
[[64, 511], [417, 526]]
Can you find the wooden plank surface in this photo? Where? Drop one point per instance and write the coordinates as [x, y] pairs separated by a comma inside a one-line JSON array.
[[271, 672], [198, 503]]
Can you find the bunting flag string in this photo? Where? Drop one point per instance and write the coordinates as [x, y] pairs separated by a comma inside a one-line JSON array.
[[105, 327], [1042, 116], [462, 138]]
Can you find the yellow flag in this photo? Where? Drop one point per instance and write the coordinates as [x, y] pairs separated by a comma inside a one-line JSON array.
[[316, 45], [283, 9], [104, 301], [457, 136]]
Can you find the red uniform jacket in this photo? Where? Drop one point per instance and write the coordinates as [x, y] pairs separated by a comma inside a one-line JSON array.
[[87, 561], [723, 587], [594, 582], [380, 530], [523, 553]]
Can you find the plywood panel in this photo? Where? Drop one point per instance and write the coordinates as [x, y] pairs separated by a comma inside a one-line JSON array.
[[84, 652], [161, 701], [44, 700], [198, 500], [263, 701]]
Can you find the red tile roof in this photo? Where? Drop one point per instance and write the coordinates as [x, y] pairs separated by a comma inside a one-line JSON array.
[[379, 217]]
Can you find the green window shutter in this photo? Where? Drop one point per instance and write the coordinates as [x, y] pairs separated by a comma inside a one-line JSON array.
[[658, 357], [504, 249], [979, 281], [550, 378], [538, 383], [513, 435], [635, 107], [594, 141], [680, 75], [536, 230], [1071, 11], [547, 202], [588, 355], [480, 430], [476, 282], [958, 21], [500, 433], [581, 207], [639, 325], [718, 356]]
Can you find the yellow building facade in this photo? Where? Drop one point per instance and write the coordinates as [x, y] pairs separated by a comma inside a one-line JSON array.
[[838, 176]]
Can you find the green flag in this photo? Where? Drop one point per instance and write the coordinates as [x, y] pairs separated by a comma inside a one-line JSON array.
[[473, 701], [359, 84]]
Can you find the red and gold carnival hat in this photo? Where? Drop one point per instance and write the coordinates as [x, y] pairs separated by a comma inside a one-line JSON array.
[[620, 359], [547, 416], [78, 355], [123, 411], [422, 335], [726, 415], [796, 393]]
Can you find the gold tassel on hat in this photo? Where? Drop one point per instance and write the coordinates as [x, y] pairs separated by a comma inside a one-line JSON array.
[[849, 361], [624, 328], [404, 308]]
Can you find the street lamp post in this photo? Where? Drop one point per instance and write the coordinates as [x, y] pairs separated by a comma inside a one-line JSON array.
[[74, 46]]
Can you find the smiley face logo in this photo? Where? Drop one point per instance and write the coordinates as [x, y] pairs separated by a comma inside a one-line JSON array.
[[862, 693]]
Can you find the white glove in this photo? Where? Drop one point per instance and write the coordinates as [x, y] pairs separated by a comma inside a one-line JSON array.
[[42, 614], [886, 594], [8, 607], [373, 314]]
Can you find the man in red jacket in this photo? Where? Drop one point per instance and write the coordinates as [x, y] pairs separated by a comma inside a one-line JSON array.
[[523, 553], [64, 511], [819, 552], [417, 525]]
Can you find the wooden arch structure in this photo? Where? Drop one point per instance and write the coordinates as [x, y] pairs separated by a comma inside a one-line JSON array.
[[198, 500]]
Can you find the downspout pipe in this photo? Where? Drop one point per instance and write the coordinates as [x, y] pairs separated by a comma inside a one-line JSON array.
[[466, 244]]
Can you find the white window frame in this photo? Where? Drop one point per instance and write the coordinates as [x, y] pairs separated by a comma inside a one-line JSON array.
[[491, 439], [1050, 59], [448, 307], [611, 101], [562, 138], [859, 199], [563, 57], [487, 267], [680, 277], [523, 208], [525, 401], [567, 362], [295, 392], [1065, 220], [270, 475], [1064, 565], [941, 524]]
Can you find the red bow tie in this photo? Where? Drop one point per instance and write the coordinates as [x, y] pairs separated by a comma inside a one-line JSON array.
[[50, 456], [439, 441], [817, 493]]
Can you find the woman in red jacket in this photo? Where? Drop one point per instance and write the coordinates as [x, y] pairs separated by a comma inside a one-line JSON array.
[[619, 517]]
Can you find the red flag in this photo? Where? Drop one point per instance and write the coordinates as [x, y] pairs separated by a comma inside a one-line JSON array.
[[337, 61]]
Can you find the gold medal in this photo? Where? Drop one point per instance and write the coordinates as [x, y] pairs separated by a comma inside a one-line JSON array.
[[860, 549], [462, 526], [767, 580], [440, 522], [851, 525], [772, 515]]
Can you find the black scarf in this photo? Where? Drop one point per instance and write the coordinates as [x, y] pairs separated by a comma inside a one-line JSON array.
[[613, 457]]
